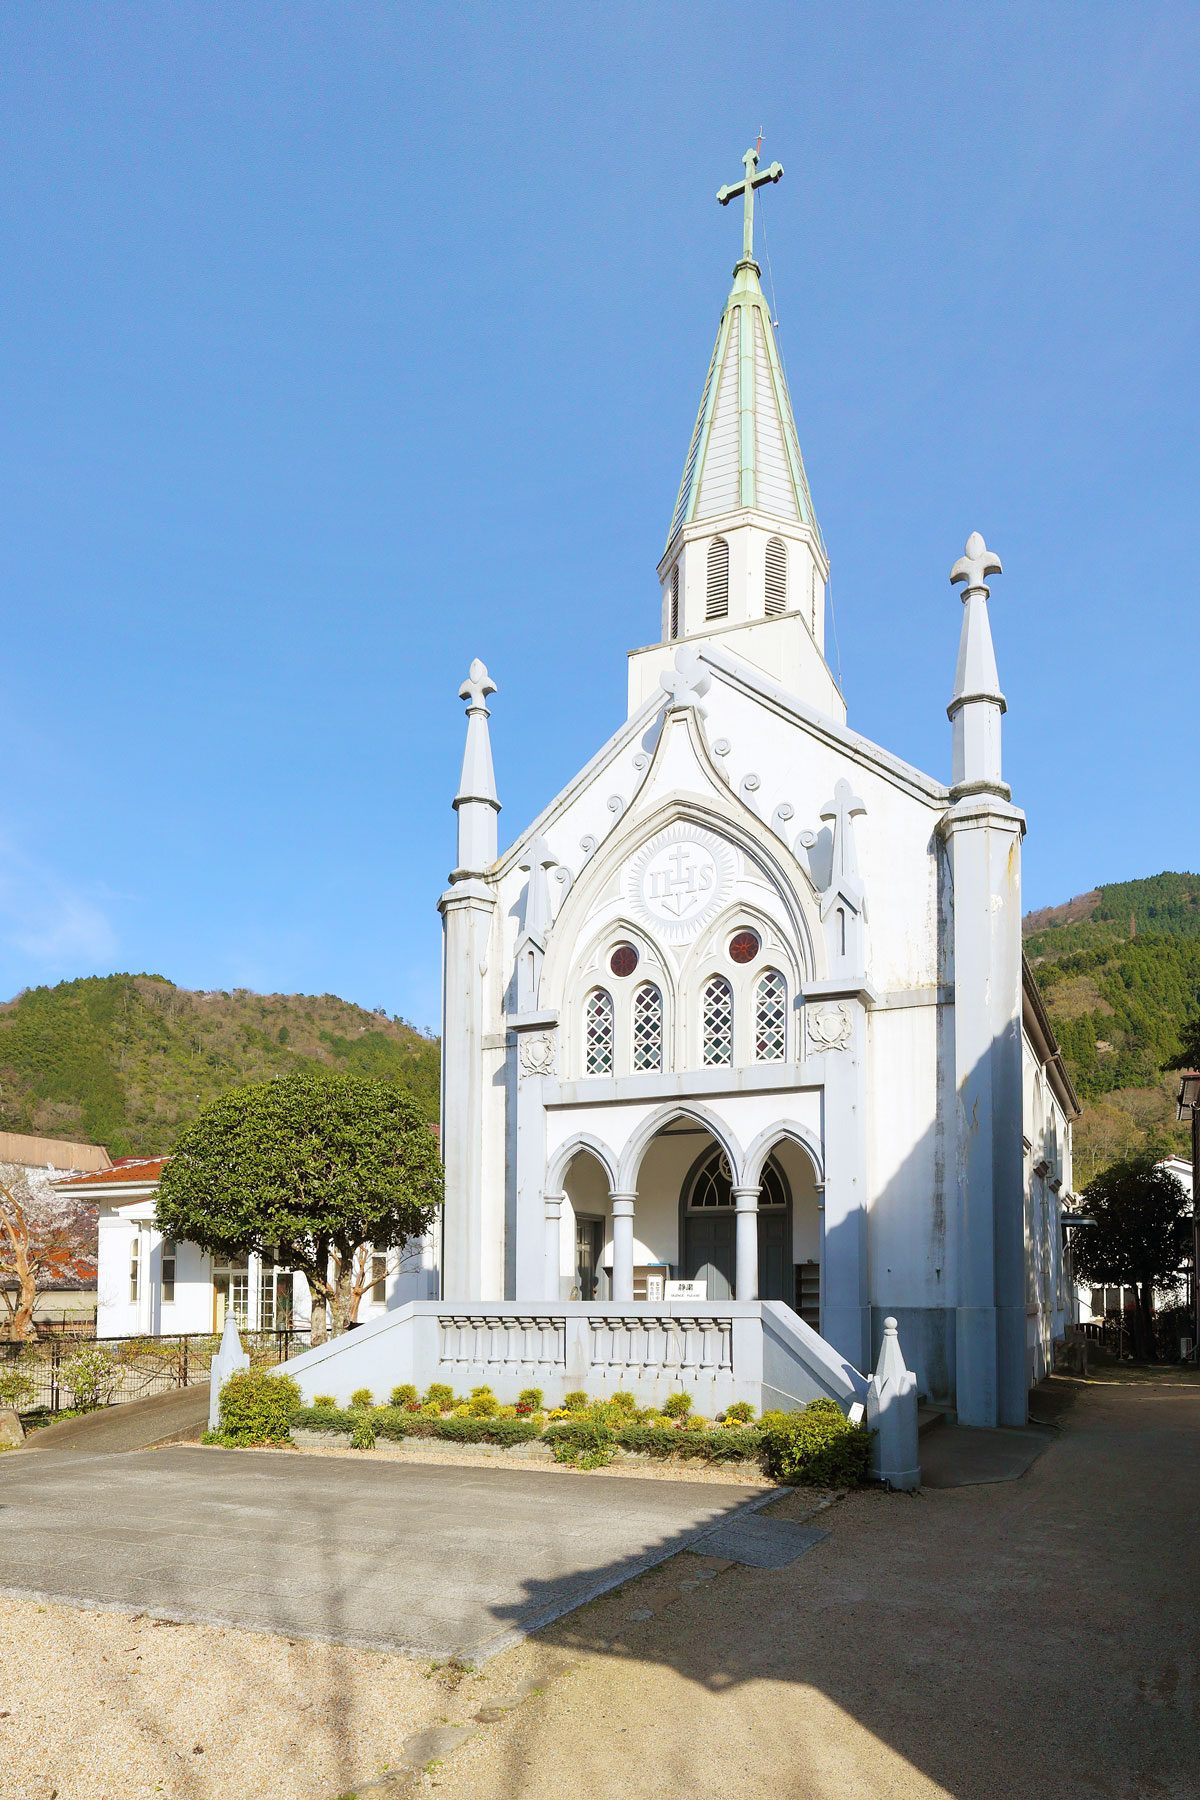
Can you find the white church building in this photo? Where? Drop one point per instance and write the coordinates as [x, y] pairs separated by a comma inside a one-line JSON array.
[[740, 1053]]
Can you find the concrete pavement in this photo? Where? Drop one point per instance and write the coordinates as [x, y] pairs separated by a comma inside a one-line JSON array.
[[133, 1425], [431, 1561]]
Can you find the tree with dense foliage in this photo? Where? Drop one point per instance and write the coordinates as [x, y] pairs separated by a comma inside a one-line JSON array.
[[43, 1237], [1189, 1047], [316, 1170], [1139, 1238]]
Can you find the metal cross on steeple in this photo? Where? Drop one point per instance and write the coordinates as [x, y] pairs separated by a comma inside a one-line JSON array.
[[747, 187]]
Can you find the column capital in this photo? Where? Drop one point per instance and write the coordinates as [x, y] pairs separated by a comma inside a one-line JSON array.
[[552, 1204], [622, 1205], [745, 1199]]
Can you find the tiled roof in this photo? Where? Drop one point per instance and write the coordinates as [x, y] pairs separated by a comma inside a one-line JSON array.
[[129, 1168]]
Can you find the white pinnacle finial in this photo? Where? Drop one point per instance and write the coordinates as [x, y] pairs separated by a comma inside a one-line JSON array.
[[975, 567], [476, 688]]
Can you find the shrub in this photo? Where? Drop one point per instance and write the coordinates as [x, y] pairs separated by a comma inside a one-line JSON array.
[[431, 1410], [694, 1422], [326, 1400], [92, 1378], [740, 1413], [363, 1435], [624, 1402], [468, 1430], [322, 1418], [507, 1412], [362, 1397], [404, 1395], [483, 1404], [257, 1407], [584, 1443], [678, 1406], [531, 1398], [817, 1447], [15, 1388], [439, 1395], [575, 1402]]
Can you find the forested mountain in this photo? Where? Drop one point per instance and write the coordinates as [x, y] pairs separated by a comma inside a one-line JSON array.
[[126, 1060], [1120, 970]]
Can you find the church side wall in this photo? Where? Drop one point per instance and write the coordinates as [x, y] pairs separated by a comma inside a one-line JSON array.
[[910, 1251]]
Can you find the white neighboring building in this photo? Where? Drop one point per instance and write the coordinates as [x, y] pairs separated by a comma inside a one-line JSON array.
[[745, 1006], [147, 1285]]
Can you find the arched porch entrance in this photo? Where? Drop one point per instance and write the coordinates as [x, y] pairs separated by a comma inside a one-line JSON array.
[[708, 1229]]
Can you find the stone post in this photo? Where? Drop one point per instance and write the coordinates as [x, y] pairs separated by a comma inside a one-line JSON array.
[[228, 1360], [622, 1231], [746, 1247], [892, 1415]]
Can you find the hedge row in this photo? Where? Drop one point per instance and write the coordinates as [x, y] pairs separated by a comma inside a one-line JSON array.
[[394, 1422]]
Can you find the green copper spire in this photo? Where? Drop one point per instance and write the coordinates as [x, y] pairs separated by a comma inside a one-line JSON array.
[[744, 453]]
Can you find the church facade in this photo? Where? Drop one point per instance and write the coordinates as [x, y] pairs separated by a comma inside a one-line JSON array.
[[745, 1007]]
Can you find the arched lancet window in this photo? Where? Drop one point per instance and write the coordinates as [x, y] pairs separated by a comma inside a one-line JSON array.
[[776, 579], [647, 1028], [770, 1018], [673, 605], [718, 1021], [717, 597], [598, 1033]]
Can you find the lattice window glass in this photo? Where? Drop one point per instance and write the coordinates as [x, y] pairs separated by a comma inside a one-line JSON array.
[[770, 1017], [718, 1021], [647, 1028], [673, 608], [598, 1032], [717, 597], [776, 578], [713, 1185]]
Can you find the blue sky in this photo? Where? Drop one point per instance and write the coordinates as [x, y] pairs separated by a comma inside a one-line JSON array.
[[342, 343]]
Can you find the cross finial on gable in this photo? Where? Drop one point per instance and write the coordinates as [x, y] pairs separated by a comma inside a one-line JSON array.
[[476, 688], [975, 567], [747, 186]]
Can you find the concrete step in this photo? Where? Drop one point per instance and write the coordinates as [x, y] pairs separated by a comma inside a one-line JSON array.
[[930, 1417]]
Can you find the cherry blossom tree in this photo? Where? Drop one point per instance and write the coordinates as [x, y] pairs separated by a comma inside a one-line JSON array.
[[44, 1236]]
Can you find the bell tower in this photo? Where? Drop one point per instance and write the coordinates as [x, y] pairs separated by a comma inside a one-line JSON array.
[[745, 564]]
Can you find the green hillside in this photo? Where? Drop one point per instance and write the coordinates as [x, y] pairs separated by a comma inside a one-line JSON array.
[[1120, 971], [127, 1060]]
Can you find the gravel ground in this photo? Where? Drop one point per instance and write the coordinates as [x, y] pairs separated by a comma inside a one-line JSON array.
[[100, 1706]]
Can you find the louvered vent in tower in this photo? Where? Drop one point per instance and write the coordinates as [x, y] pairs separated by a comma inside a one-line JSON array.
[[717, 598], [673, 605], [776, 583]]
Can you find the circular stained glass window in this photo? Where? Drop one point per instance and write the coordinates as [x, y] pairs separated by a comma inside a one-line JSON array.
[[624, 960], [744, 946]]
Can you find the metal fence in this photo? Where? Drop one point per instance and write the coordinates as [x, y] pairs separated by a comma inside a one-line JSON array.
[[136, 1367]]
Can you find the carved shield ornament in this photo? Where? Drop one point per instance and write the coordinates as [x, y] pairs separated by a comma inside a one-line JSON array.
[[829, 1027], [680, 880], [537, 1052]]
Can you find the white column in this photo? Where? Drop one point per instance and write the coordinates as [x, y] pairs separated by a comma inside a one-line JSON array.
[[552, 1204], [746, 1248], [622, 1230]]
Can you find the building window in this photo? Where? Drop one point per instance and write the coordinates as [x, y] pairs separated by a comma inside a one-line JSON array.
[[744, 946], [770, 1018], [647, 1028], [673, 605], [599, 1033], [135, 1250], [624, 960], [718, 1022], [717, 598], [776, 579], [168, 1272], [378, 1289], [274, 1295]]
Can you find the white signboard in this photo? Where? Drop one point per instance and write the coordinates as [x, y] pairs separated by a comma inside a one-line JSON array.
[[687, 1290]]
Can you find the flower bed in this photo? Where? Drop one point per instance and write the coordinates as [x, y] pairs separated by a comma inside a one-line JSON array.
[[816, 1446]]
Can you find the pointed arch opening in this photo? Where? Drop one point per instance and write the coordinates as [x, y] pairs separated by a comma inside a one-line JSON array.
[[647, 1028], [598, 1033], [673, 605], [716, 1045]]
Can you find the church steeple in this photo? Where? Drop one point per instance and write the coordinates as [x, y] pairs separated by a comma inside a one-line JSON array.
[[744, 547]]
